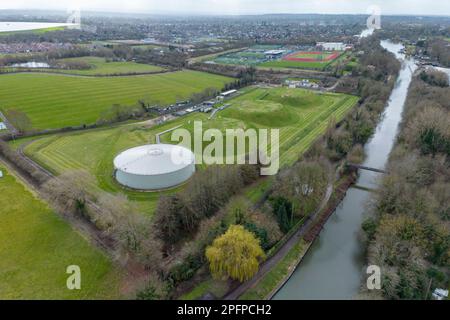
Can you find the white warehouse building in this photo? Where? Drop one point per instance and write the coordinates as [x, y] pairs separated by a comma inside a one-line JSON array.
[[331, 46], [154, 167]]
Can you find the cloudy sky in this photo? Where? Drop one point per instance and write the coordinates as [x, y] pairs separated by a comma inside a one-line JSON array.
[[423, 7]]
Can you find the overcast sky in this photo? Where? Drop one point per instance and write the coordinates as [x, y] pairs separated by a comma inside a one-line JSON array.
[[422, 7]]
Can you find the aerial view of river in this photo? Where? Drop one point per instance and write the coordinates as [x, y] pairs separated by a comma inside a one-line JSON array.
[[335, 266]]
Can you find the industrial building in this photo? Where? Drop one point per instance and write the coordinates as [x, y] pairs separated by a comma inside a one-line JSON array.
[[154, 167], [331, 46], [229, 93], [274, 54]]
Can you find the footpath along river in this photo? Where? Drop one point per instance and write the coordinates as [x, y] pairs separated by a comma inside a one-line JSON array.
[[334, 266]]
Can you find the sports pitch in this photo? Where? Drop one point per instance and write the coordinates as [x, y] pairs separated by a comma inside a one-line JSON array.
[[301, 115], [256, 56], [57, 101], [314, 60], [307, 56]]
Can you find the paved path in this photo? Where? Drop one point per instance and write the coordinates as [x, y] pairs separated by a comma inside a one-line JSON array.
[[282, 252]]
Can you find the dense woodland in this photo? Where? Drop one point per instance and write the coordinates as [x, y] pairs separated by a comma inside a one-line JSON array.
[[410, 236]]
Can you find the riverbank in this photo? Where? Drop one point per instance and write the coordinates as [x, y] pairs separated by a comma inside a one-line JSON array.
[[334, 268], [276, 278], [415, 196], [279, 253]]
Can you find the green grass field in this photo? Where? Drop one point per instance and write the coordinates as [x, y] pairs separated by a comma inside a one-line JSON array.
[[301, 115], [100, 67], [36, 247], [56, 101], [313, 65]]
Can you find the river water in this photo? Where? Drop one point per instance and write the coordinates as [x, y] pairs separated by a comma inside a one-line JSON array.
[[31, 65], [23, 26], [334, 267]]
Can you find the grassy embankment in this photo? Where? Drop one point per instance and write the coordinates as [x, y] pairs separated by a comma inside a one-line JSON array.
[[36, 247]]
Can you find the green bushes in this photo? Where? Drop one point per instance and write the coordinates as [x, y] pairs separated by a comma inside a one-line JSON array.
[[118, 113], [282, 209]]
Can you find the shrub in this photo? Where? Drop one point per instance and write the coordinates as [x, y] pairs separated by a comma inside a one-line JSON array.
[[259, 233], [282, 209]]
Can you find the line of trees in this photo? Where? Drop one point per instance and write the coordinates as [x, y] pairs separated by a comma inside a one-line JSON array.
[[21, 163], [409, 238]]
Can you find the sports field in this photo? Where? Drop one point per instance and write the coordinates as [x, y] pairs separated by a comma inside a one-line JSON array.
[[317, 56], [100, 67], [305, 59], [56, 101], [252, 56], [301, 116], [36, 247]]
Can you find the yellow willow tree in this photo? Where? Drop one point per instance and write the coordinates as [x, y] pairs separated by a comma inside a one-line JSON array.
[[236, 254]]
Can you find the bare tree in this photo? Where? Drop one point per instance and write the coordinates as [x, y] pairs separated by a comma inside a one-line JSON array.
[[70, 191], [133, 230]]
